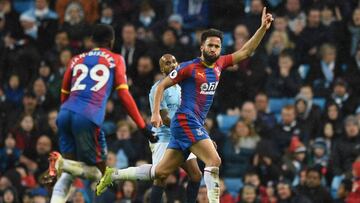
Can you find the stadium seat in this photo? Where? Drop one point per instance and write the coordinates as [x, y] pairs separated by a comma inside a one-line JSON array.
[[226, 122], [233, 185], [320, 102], [276, 104]]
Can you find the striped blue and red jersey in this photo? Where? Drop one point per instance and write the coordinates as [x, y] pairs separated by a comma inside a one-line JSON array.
[[89, 80], [198, 83]]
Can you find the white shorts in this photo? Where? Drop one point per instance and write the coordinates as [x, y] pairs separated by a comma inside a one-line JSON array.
[[158, 151]]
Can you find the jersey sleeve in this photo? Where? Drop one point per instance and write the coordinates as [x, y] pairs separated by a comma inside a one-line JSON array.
[[180, 73], [225, 61], [163, 104], [66, 83], [120, 74]]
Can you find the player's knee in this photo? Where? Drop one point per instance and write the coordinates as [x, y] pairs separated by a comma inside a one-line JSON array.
[[161, 175], [216, 161]]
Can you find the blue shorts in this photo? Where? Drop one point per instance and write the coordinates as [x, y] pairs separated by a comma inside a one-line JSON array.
[[186, 130], [81, 137]]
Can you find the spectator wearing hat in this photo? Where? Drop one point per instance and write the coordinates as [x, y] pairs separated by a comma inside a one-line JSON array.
[[313, 189], [354, 195], [345, 152], [175, 21], [343, 97], [29, 26], [320, 154], [294, 161]]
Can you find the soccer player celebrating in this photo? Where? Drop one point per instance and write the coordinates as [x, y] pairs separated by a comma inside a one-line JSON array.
[[168, 107], [88, 82], [198, 80]]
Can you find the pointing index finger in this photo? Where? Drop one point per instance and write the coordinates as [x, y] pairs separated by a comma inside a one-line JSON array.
[[264, 11]]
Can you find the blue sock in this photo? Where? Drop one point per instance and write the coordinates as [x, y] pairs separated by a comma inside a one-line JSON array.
[[192, 191], [156, 194]]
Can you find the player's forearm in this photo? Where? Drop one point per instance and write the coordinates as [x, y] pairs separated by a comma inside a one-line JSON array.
[[130, 106], [250, 46], [157, 98]]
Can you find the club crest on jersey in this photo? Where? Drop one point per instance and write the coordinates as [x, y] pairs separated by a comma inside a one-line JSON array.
[[208, 88], [173, 74]]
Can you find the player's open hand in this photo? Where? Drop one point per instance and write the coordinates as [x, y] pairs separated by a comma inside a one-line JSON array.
[[156, 120], [266, 19]]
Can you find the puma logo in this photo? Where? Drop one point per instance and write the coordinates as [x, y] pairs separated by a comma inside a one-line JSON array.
[[202, 75]]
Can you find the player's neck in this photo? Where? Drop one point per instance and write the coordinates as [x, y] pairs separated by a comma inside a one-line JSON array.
[[206, 63]]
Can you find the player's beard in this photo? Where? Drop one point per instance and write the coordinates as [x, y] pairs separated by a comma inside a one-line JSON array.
[[209, 59]]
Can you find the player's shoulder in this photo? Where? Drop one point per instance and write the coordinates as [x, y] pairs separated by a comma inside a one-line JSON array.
[[187, 64]]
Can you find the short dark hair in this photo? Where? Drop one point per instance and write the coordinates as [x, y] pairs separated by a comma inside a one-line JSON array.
[[211, 33], [316, 169], [102, 34]]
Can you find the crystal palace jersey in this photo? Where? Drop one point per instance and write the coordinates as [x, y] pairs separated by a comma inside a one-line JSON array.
[[198, 83], [90, 79]]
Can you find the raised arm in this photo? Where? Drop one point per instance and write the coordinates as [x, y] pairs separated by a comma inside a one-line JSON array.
[[156, 119], [253, 43]]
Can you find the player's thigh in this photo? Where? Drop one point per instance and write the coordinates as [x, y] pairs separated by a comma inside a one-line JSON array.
[[192, 169], [205, 151], [66, 138], [158, 150], [90, 140], [169, 163]]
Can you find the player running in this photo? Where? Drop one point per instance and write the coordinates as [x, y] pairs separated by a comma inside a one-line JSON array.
[[198, 80], [88, 82], [168, 107]]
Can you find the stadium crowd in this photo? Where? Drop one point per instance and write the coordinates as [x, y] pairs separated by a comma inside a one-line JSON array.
[[286, 121]]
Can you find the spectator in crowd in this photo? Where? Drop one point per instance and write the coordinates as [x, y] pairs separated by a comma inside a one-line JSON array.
[[25, 133], [253, 179], [13, 90], [238, 150], [9, 154], [324, 72], [90, 9], [345, 152], [194, 13], [278, 42], [354, 29], [248, 195], [294, 161], [352, 72], [10, 196], [287, 129], [130, 48], [296, 16], [320, 155], [175, 21], [287, 195], [225, 196], [343, 191], [333, 117], [44, 99], [285, 80], [313, 189], [354, 195], [122, 146], [340, 95], [263, 112]]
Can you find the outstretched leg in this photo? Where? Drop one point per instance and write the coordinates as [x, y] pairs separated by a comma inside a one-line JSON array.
[[171, 161]]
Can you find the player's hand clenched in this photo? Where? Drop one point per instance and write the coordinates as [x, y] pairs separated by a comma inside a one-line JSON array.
[[156, 120], [149, 135]]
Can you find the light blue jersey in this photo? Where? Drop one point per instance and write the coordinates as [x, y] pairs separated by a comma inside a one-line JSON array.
[[171, 102]]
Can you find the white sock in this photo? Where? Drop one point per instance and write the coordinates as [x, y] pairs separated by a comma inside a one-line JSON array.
[[143, 172], [61, 188], [211, 178], [80, 169]]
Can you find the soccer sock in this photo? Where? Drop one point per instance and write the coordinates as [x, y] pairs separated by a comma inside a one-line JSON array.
[[61, 188], [80, 169], [143, 172], [192, 191], [211, 178], [156, 194]]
